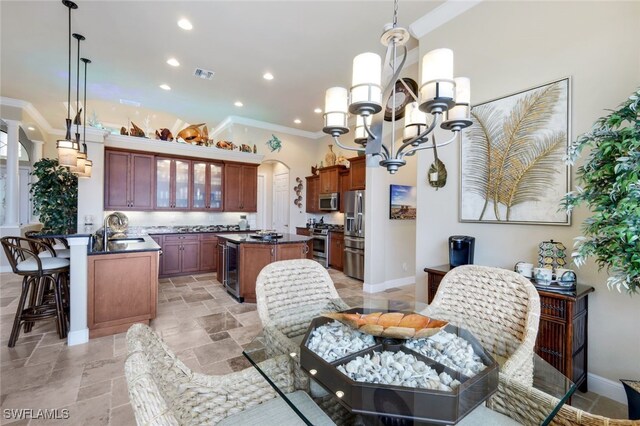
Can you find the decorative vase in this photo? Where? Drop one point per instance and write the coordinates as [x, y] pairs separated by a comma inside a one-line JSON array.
[[330, 158]]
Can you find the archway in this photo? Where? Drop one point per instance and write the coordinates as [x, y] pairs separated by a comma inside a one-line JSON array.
[[274, 194]]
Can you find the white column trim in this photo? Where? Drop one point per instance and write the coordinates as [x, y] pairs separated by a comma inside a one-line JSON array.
[[12, 194], [36, 151], [78, 329]]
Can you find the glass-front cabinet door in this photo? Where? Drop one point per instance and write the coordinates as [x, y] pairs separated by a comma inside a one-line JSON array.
[[198, 200], [182, 169], [215, 186], [163, 184]]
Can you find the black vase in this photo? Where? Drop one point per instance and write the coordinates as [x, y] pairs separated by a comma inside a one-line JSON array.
[[633, 397]]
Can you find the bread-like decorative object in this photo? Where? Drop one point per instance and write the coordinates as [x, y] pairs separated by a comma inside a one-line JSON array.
[[392, 324]]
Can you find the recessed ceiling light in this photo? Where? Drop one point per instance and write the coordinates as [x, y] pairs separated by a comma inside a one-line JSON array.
[[173, 62], [297, 121], [268, 76], [317, 110], [185, 24], [31, 128], [238, 104], [165, 87]]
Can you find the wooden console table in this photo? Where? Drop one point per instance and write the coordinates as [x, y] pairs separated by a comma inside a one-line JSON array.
[[562, 335]]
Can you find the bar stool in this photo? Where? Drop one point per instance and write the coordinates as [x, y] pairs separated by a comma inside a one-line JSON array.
[[39, 274], [60, 246]]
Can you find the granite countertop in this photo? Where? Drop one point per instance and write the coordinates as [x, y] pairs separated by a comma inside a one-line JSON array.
[[124, 244], [246, 239], [184, 229]]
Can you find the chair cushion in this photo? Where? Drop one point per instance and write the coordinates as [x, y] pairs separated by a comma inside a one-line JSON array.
[[30, 265], [63, 253], [276, 412], [483, 416]]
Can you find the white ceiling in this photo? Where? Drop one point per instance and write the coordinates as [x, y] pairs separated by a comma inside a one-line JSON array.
[[308, 46]]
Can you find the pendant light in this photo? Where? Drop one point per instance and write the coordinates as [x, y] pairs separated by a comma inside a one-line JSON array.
[[67, 148], [77, 167], [83, 161]]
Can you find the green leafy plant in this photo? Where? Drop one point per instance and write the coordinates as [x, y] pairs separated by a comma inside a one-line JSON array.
[[55, 196], [609, 184], [512, 161]]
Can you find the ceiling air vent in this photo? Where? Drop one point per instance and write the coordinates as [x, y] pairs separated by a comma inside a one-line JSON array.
[[204, 74]]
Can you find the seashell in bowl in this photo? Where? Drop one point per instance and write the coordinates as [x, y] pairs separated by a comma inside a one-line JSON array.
[[396, 325]]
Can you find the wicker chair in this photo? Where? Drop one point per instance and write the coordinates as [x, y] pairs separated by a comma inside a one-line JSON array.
[[508, 307], [530, 406], [164, 391]]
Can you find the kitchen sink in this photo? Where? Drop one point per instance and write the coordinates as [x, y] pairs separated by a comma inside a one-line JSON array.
[[126, 240]]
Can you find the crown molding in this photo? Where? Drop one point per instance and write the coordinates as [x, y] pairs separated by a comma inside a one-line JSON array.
[[29, 109], [440, 16], [233, 119]]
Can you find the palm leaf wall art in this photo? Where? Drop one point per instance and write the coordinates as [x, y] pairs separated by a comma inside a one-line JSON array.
[[512, 158]]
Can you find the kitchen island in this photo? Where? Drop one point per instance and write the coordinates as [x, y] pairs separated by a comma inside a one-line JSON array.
[[122, 284], [242, 256]]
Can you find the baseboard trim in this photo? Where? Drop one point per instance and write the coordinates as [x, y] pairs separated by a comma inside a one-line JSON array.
[[398, 282], [607, 387], [78, 337]]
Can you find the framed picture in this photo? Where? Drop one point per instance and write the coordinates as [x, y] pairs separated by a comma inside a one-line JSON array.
[[512, 158], [402, 202]]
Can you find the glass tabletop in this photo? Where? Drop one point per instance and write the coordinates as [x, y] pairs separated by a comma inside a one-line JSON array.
[[397, 380]]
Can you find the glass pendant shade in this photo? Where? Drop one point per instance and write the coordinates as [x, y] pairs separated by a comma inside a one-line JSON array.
[[67, 152], [367, 75], [414, 121], [361, 134], [437, 75], [80, 164], [88, 167], [462, 109], [336, 105]]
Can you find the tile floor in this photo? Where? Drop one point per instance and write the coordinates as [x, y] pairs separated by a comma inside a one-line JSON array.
[[196, 317]]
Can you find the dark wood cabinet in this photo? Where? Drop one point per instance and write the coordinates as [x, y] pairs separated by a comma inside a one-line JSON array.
[[208, 253], [336, 250], [358, 172], [344, 181], [128, 181], [240, 187], [329, 179], [313, 186], [562, 333], [180, 254], [307, 232], [291, 251], [206, 186], [190, 256]]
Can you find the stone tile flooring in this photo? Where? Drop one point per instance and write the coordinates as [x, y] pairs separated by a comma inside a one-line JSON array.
[[196, 317]]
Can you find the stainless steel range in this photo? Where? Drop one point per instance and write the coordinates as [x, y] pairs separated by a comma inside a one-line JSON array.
[[320, 234]]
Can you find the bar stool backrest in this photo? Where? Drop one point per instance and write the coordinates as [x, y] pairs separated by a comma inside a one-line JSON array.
[[14, 248]]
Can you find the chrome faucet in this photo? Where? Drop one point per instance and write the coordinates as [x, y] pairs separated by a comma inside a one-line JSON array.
[[105, 228]]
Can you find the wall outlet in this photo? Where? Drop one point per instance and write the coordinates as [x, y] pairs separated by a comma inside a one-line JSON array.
[[404, 266]]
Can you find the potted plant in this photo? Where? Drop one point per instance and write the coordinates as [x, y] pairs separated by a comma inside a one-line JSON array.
[[55, 197], [609, 184]]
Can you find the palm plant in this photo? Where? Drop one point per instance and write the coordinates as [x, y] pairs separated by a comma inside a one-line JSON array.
[[514, 160], [610, 187]]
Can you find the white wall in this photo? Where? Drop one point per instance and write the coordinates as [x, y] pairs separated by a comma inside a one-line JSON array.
[[505, 47]]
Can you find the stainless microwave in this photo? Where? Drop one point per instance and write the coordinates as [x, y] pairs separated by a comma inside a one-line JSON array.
[[329, 201]]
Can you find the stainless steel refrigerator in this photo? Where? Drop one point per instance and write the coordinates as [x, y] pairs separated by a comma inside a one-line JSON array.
[[354, 234]]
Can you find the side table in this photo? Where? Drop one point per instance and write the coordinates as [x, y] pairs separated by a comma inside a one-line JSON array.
[[562, 335]]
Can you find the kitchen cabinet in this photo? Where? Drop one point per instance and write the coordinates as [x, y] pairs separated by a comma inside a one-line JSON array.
[[128, 181], [180, 254], [562, 333], [336, 250], [160, 241], [220, 260], [344, 181], [306, 232], [208, 253], [358, 172], [254, 257], [313, 186], [122, 290], [206, 186], [240, 187], [329, 179], [173, 177]]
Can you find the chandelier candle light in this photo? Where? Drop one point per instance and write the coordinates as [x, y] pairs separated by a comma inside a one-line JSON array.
[[78, 167], [445, 98], [67, 148], [84, 164]]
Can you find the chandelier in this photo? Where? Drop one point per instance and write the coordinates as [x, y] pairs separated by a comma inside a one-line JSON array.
[[445, 98]]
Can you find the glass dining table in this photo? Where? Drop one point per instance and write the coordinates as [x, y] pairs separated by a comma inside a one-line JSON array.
[[461, 376]]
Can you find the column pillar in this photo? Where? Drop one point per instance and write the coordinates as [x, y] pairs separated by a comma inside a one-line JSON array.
[[36, 151], [78, 329], [12, 194]]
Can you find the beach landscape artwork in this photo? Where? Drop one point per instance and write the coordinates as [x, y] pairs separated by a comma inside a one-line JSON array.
[[402, 202]]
